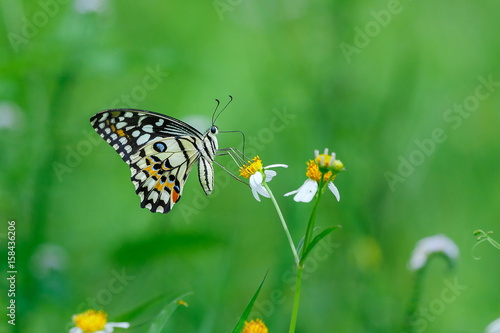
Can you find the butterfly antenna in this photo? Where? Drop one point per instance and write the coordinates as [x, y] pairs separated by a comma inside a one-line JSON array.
[[215, 111], [216, 115]]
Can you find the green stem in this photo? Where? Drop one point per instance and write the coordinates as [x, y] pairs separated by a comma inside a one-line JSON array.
[[408, 326], [310, 226], [282, 219], [300, 265], [296, 300]]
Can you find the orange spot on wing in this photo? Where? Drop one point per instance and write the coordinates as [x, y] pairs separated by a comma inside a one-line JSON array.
[[121, 133], [149, 170], [159, 186], [175, 196]]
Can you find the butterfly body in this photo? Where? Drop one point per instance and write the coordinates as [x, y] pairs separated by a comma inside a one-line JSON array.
[[161, 151]]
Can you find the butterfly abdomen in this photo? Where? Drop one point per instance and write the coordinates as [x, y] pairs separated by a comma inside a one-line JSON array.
[[208, 148]]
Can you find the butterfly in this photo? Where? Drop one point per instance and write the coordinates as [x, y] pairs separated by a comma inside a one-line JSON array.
[[160, 151]]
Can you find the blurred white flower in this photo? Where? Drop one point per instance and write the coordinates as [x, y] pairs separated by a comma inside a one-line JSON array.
[[494, 327], [430, 245], [47, 258], [10, 115], [89, 6]]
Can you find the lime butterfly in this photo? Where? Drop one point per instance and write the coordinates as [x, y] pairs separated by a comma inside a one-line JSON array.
[[160, 151]]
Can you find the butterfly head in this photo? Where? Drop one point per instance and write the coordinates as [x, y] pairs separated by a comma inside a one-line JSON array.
[[214, 130]]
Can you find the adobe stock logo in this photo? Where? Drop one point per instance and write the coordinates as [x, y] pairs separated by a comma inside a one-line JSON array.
[[437, 306], [75, 154], [223, 6], [372, 29], [114, 286], [139, 92], [265, 308], [31, 25], [454, 117], [104, 296]]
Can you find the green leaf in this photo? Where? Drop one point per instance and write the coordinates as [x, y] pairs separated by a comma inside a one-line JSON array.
[[315, 241], [245, 314], [161, 319]]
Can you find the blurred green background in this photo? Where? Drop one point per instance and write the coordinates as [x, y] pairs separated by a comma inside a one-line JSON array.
[[399, 90]]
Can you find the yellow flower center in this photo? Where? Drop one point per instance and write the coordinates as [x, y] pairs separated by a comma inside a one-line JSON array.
[[314, 173], [91, 320], [255, 326], [323, 160], [252, 167]]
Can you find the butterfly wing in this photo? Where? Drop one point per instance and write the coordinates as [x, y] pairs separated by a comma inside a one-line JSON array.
[[160, 151], [128, 130], [159, 171]]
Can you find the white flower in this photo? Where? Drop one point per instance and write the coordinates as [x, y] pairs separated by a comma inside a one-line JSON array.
[[323, 166], [10, 115], [494, 327], [306, 192], [255, 172], [92, 321], [430, 245], [88, 6], [48, 258]]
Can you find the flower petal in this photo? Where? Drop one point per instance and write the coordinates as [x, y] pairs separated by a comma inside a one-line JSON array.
[[493, 327], [75, 330], [121, 325], [269, 175], [290, 193], [334, 190], [306, 192], [262, 191], [255, 180], [255, 194], [275, 166]]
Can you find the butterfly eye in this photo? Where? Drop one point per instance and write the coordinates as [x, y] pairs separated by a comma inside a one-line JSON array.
[[214, 130]]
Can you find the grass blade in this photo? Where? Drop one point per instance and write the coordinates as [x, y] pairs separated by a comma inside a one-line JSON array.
[[161, 319], [246, 313]]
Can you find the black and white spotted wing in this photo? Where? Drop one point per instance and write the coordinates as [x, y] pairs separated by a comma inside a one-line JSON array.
[[160, 151]]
